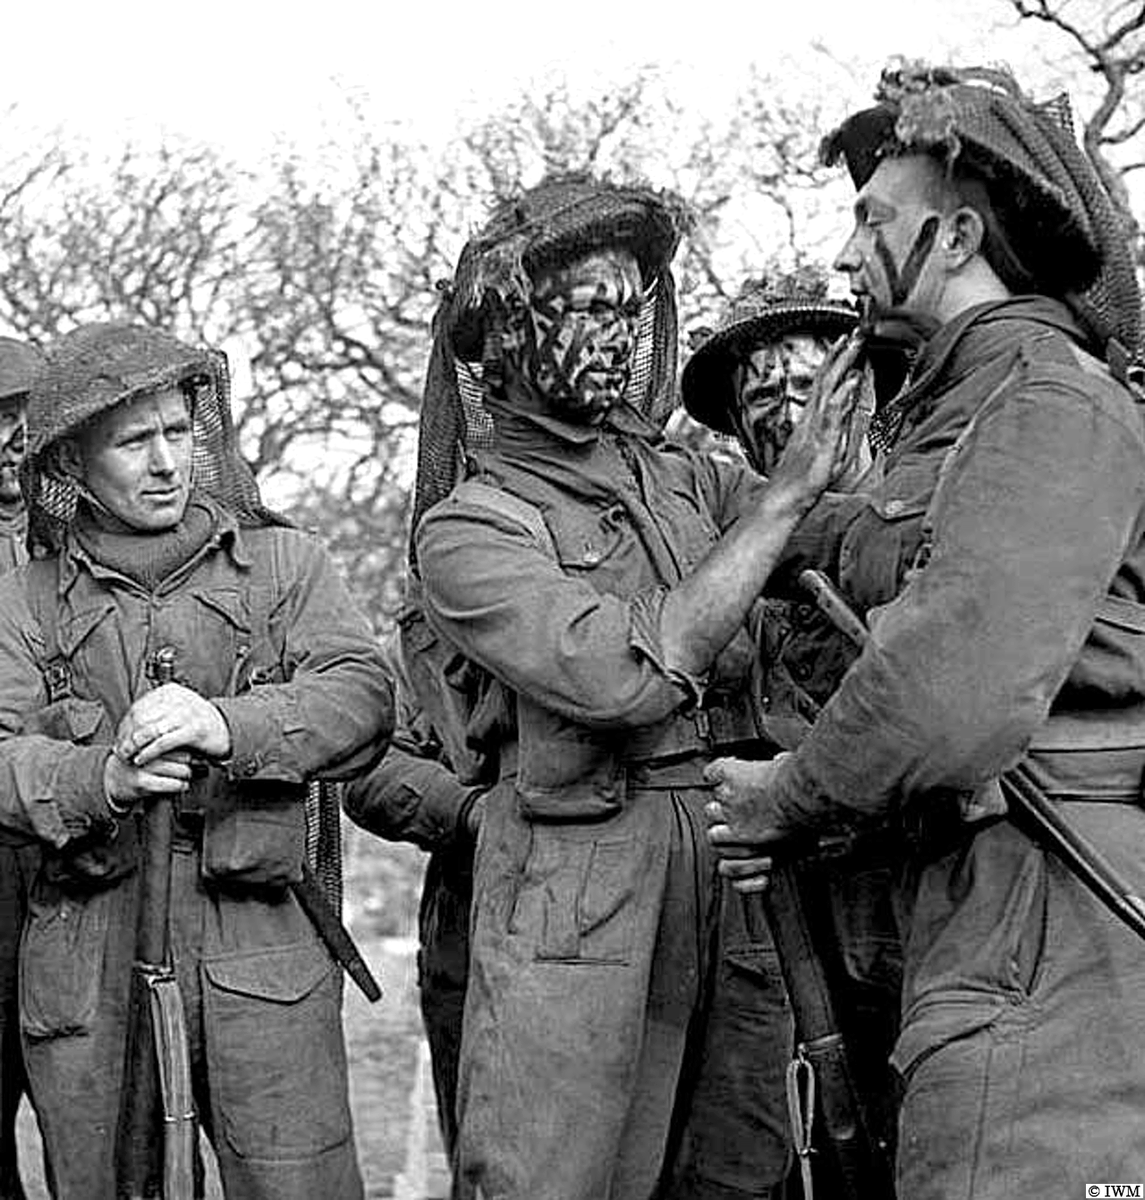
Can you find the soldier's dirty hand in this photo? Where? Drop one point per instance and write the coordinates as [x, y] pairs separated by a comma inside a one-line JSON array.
[[820, 447], [125, 784], [745, 867], [171, 717], [740, 814]]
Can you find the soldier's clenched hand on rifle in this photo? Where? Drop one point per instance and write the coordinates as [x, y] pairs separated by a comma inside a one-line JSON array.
[[741, 826], [171, 717]]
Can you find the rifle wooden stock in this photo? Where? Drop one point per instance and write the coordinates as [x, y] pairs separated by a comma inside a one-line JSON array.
[[142, 1133], [864, 1172]]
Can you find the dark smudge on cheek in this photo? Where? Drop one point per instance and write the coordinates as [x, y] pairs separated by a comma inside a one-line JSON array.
[[901, 283]]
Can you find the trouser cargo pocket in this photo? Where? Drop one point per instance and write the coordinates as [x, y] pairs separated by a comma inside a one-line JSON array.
[[275, 1054], [579, 893], [61, 963]]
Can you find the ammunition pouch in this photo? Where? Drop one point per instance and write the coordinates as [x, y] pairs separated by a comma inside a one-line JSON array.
[[566, 772], [254, 836]]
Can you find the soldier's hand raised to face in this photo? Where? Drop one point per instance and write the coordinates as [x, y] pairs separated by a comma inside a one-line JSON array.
[[820, 447], [171, 717]]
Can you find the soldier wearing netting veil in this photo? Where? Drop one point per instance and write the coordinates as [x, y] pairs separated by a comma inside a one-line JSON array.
[[996, 713], [171, 637], [603, 576]]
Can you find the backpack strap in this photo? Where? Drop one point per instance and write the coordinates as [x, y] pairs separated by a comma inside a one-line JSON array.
[[42, 581]]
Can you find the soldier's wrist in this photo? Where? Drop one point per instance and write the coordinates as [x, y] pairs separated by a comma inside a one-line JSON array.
[[117, 810]]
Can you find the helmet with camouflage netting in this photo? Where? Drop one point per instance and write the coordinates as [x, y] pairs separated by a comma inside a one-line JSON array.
[[562, 218], [1066, 237], [95, 368], [764, 310], [20, 363]]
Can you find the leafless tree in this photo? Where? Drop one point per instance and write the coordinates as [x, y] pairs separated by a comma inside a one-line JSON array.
[[1106, 41]]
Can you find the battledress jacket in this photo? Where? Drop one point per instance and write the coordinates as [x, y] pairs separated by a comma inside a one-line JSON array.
[[549, 569], [1000, 564], [568, 616], [319, 702], [983, 604]]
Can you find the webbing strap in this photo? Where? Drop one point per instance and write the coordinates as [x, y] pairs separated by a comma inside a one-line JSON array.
[[42, 584]]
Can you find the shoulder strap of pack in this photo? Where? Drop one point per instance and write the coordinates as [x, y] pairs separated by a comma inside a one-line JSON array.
[[42, 589], [262, 653]]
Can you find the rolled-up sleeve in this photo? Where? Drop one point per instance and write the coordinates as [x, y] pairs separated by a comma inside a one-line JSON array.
[[503, 600], [1037, 514], [333, 714]]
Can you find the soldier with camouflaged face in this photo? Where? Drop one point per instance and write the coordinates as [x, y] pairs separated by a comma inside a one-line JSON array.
[[750, 378], [603, 576]]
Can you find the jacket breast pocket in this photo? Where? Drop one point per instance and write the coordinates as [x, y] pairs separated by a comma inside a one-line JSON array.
[[880, 548], [595, 544], [105, 850], [579, 895], [255, 836], [72, 719], [226, 654], [1114, 657]]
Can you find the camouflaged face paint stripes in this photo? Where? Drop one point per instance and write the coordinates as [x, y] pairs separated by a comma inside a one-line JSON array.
[[578, 337], [772, 384]]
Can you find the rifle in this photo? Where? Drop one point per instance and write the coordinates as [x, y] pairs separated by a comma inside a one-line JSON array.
[[820, 1077], [157, 1067]]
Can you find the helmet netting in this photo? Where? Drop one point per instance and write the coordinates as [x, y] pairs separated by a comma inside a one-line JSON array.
[[20, 363], [557, 221], [1057, 208], [97, 367]]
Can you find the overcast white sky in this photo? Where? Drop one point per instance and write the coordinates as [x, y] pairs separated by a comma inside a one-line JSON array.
[[242, 72]]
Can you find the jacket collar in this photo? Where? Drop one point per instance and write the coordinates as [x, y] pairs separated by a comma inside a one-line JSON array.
[[945, 347], [518, 427], [228, 537]]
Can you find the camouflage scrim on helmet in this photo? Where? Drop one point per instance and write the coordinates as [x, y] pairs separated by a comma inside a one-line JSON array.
[[765, 309], [95, 368], [1066, 229], [20, 363], [559, 220]]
